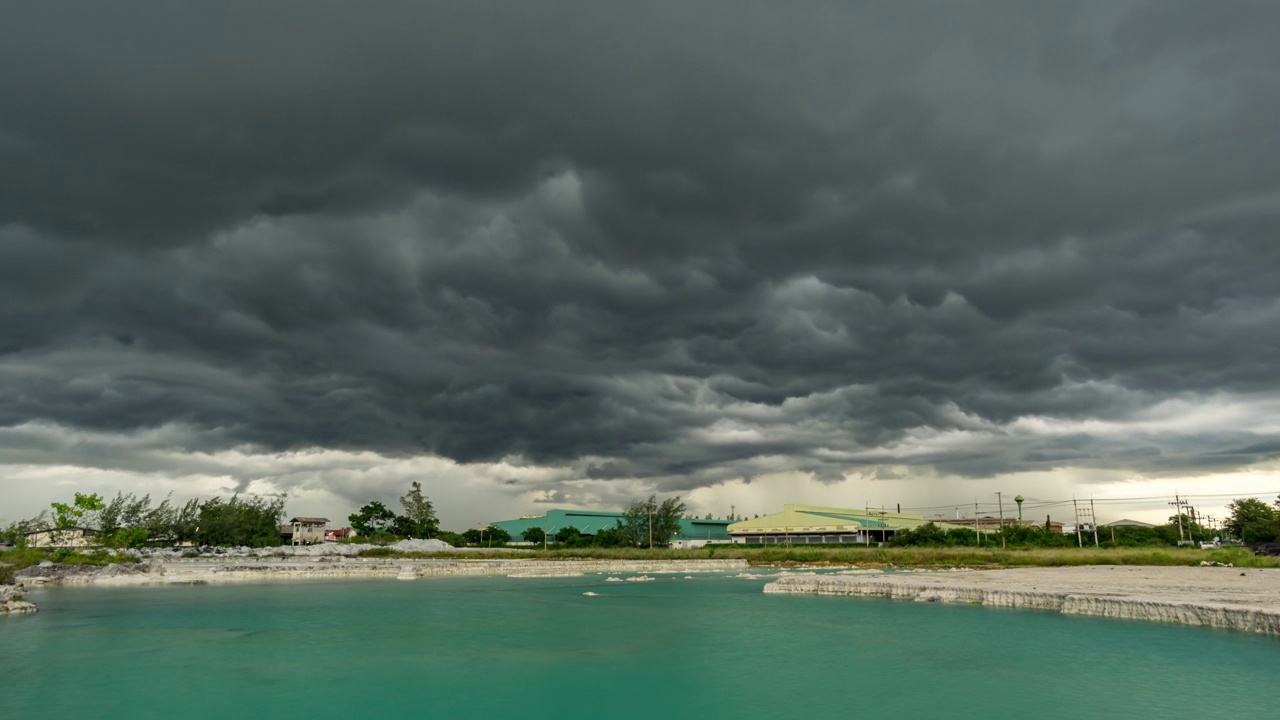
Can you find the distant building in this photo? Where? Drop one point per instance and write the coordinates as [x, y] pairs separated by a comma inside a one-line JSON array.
[[1127, 523], [991, 523], [306, 530], [817, 524], [71, 537], [338, 534], [694, 532]]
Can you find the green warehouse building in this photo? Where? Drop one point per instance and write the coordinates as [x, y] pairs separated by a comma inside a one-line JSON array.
[[694, 532]]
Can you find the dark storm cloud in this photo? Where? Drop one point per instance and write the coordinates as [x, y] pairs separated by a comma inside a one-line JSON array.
[[678, 241]]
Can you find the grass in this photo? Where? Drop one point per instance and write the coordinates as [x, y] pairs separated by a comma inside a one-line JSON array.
[[20, 558], [97, 557]]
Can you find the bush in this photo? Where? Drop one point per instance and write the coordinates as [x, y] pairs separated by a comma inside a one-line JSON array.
[[6, 575], [452, 538], [378, 552], [378, 538]]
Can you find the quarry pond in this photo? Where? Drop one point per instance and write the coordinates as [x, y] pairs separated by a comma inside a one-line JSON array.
[[677, 646]]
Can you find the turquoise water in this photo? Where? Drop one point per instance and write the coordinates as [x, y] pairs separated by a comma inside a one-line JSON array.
[[537, 648]]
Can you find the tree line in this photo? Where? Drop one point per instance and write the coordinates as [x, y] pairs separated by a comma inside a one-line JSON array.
[[128, 521], [644, 523], [1251, 521]]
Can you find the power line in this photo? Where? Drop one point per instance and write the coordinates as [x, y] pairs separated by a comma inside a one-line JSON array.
[[1033, 503]]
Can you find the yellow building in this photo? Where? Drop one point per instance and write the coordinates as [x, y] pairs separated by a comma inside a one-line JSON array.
[[801, 524]]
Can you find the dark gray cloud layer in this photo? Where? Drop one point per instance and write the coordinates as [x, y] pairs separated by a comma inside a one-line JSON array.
[[660, 241]]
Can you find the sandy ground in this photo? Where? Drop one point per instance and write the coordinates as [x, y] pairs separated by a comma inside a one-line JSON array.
[[1240, 598]]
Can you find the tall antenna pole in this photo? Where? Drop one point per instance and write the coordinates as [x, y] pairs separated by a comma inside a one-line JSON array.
[[1000, 500]]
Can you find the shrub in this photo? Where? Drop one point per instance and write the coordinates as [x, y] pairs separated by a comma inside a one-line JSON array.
[[62, 555]]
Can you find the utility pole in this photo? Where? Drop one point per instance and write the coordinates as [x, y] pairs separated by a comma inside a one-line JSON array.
[[733, 509], [977, 529], [1000, 500], [1079, 538], [1177, 509], [1094, 515]]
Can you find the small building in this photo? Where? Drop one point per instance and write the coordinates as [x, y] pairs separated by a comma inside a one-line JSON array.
[[306, 530], [338, 534], [1127, 523], [993, 523], [69, 537]]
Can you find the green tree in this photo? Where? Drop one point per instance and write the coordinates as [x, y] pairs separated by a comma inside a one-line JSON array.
[[373, 518], [452, 538], [535, 535], [16, 532], [615, 536], [570, 536], [81, 513], [254, 522], [134, 537], [419, 513], [927, 534], [648, 522], [1253, 521], [487, 537]]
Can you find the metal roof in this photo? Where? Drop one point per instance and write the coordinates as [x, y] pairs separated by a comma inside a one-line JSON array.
[[816, 518], [590, 522]]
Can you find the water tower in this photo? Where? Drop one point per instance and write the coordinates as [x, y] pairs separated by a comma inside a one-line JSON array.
[[1019, 500]]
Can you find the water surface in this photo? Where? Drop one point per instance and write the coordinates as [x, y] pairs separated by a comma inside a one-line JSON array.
[[713, 647]]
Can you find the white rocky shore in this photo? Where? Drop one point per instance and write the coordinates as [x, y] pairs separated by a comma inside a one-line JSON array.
[[12, 601], [1245, 599], [261, 569]]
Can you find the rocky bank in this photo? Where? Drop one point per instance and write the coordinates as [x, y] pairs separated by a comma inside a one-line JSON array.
[[247, 569], [1246, 599], [12, 601]]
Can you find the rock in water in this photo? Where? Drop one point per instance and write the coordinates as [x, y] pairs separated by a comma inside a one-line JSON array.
[[12, 602]]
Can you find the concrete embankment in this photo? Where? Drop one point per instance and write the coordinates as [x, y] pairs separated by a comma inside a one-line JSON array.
[[1246, 599], [202, 571]]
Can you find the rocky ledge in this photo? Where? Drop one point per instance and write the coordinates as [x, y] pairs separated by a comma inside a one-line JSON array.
[[56, 573], [1233, 598], [12, 602], [228, 570]]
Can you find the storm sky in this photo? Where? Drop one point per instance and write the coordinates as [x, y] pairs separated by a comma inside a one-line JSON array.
[[570, 253]]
